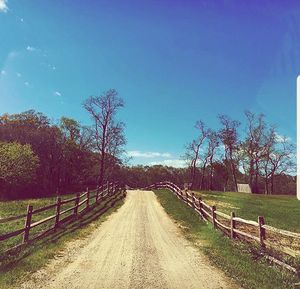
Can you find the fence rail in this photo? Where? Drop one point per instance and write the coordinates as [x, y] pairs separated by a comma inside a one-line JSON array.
[[286, 243], [77, 206]]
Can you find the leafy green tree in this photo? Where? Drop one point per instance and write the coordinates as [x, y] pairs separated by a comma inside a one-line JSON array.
[[34, 128], [18, 164]]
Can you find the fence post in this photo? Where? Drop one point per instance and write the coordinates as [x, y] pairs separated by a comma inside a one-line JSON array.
[[58, 204], [193, 200], [76, 204], [232, 225], [200, 206], [213, 213], [97, 194], [262, 231], [87, 198], [27, 224]]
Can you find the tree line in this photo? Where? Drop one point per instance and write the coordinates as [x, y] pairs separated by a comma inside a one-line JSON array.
[[261, 158], [41, 157]]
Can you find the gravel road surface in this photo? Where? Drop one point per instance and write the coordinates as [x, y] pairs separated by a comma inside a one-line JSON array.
[[139, 246]]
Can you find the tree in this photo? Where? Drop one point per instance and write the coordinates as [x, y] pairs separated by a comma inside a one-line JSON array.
[[213, 143], [229, 137], [278, 159], [18, 165], [192, 154], [220, 176], [34, 128], [70, 128], [108, 133], [253, 147]]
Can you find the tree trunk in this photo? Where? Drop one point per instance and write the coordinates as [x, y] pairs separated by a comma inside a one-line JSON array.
[[251, 174], [203, 174], [233, 172], [234, 177], [210, 175], [193, 173], [266, 185], [101, 173], [226, 184], [272, 184]]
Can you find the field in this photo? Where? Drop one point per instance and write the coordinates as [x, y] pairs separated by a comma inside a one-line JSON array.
[[15, 208], [279, 211], [234, 258]]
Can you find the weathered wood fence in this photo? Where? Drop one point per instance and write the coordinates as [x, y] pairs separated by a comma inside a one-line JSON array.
[[76, 206], [273, 241]]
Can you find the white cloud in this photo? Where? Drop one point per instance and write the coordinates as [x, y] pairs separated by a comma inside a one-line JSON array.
[[53, 67], [57, 93], [3, 6], [3, 72], [170, 163], [30, 48], [281, 138], [26, 83], [139, 154]]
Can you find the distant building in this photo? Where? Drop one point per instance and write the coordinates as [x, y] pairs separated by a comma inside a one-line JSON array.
[[244, 188], [187, 186]]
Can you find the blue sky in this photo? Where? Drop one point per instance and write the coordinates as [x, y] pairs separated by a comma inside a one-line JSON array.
[[173, 62]]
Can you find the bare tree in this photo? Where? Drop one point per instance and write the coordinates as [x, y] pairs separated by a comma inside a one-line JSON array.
[[108, 133], [278, 158], [204, 161], [229, 137], [192, 154], [213, 143], [253, 148]]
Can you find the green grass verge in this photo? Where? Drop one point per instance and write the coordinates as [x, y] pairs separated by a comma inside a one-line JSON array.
[[234, 258], [14, 208], [282, 212], [14, 269]]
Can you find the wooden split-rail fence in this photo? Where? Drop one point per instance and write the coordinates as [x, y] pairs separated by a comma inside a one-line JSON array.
[[285, 245], [77, 206]]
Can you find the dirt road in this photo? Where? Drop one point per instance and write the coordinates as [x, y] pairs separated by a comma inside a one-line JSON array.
[[139, 246]]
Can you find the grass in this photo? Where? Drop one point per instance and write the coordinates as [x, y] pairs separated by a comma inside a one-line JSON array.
[[18, 267], [282, 212], [14, 208], [234, 258]]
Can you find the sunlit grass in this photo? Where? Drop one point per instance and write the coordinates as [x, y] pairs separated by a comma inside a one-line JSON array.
[[279, 211], [234, 258]]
